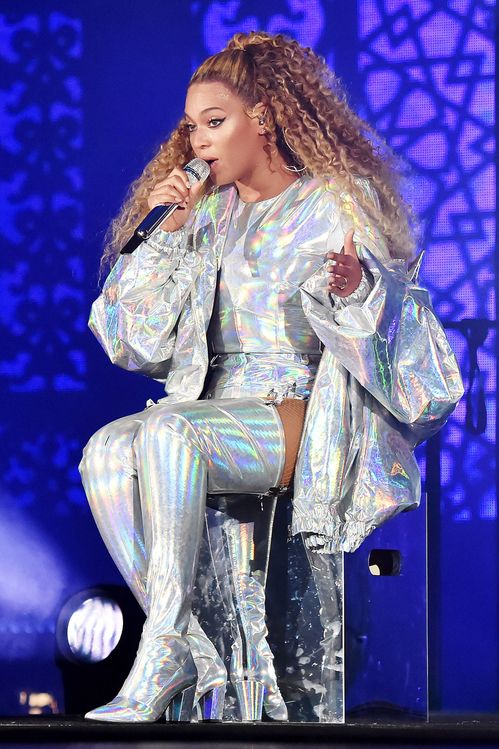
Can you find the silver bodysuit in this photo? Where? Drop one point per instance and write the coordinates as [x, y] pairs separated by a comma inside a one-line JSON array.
[[260, 340]]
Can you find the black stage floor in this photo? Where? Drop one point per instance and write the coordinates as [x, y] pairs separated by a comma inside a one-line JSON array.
[[448, 730]]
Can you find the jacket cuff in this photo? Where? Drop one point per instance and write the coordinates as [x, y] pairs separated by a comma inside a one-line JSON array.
[[359, 295], [320, 544], [168, 241]]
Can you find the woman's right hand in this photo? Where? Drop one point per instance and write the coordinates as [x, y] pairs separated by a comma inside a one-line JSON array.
[[175, 189]]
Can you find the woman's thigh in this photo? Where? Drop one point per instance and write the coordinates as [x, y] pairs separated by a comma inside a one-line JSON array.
[[240, 439]]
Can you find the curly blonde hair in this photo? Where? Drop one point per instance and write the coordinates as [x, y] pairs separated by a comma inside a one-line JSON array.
[[308, 118]]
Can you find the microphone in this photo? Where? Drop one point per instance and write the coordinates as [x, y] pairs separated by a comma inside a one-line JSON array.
[[197, 170]]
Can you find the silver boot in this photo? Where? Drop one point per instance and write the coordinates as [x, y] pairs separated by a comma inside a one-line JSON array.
[[165, 472], [212, 674], [164, 673], [252, 670], [110, 481]]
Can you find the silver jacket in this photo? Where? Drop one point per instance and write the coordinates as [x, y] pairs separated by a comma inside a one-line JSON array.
[[387, 378]]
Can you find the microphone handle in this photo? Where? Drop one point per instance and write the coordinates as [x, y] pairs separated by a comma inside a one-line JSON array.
[[150, 223]]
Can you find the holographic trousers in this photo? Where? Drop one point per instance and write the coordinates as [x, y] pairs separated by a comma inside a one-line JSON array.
[[147, 475]]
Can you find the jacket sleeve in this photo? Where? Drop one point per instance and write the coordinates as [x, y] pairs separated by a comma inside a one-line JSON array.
[[387, 336], [393, 344], [134, 318]]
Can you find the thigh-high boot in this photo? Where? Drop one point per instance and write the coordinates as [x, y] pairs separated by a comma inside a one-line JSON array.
[[243, 529], [109, 477], [172, 475], [242, 443], [243, 440]]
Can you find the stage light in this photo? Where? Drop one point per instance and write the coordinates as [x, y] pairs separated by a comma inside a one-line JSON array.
[[89, 627], [97, 635]]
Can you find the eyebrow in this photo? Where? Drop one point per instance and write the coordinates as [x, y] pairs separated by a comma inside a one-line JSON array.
[[208, 109]]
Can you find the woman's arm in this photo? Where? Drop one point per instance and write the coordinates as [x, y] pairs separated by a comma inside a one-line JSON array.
[[385, 333], [135, 316], [393, 344]]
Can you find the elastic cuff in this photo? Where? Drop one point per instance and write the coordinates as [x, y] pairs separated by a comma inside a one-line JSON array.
[[168, 240], [315, 541], [359, 295]]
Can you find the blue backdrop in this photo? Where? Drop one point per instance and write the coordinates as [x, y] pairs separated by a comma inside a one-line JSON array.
[[87, 92]]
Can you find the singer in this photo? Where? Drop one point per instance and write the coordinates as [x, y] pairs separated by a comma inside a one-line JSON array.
[[286, 280]]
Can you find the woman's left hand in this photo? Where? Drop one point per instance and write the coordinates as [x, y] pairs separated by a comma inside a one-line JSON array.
[[345, 271]]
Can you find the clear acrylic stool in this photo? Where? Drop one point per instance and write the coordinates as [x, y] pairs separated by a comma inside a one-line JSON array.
[[348, 631]]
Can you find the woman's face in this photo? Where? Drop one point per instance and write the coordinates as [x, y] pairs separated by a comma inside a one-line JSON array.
[[223, 134]]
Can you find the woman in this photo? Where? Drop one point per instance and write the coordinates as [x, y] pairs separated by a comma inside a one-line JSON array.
[[248, 295]]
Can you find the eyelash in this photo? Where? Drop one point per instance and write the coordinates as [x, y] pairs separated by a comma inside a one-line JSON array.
[[219, 120]]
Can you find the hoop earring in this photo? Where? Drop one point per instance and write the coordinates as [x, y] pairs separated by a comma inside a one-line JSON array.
[[286, 141], [291, 168]]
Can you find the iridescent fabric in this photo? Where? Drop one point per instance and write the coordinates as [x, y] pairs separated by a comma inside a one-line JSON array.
[[258, 333], [146, 477], [257, 305], [387, 377]]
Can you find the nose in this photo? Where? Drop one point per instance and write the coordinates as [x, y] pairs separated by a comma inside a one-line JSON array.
[[200, 139]]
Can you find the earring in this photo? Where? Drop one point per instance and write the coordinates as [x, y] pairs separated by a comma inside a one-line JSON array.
[[261, 121], [288, 167], [294, 168], [286, 141]]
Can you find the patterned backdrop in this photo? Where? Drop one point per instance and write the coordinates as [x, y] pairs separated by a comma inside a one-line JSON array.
[[423, 74]]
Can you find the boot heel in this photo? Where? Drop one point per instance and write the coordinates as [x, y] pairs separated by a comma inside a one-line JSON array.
[[250, 698], [212, 703], [180, 708]]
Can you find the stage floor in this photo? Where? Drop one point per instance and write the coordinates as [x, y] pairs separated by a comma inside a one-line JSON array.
[[442, 730]]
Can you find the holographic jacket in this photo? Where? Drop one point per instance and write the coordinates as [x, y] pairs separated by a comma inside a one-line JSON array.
[[387, 378]]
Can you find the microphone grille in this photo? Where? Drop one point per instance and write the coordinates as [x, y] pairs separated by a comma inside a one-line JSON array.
[[197, 170]]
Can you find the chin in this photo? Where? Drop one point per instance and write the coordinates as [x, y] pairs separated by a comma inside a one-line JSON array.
[[219, 181]]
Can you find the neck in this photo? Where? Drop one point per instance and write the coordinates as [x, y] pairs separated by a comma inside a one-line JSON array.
[[266, 181]]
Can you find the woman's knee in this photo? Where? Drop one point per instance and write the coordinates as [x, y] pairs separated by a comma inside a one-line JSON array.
[[110, 439], [92, 450]]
